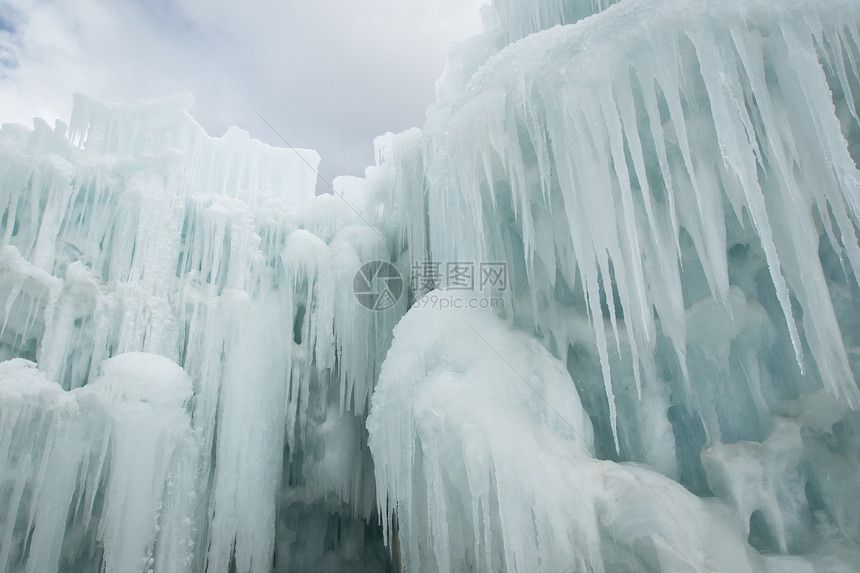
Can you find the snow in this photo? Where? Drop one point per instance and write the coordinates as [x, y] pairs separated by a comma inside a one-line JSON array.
[[667, 381]]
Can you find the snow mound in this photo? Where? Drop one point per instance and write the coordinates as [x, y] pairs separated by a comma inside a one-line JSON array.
[[483, 453]]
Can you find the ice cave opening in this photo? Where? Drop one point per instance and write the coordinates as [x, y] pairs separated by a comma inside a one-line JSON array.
[[601, 313]]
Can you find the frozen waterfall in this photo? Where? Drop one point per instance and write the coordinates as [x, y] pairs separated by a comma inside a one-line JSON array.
[[653, 365]]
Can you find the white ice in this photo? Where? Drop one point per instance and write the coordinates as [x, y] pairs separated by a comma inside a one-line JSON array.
[[671, 383]]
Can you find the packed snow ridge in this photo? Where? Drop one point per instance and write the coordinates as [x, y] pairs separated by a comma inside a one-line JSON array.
[[664, 380]]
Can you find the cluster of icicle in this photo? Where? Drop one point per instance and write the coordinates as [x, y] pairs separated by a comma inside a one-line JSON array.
[[674, 186], [671, 385], [139, 233], [651, 123]]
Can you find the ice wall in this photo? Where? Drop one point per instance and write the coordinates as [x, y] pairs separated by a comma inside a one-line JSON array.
[[674, 186], [189, 384], [138, 232]]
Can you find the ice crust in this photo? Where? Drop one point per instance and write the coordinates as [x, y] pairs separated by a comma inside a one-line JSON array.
[[189, 384]]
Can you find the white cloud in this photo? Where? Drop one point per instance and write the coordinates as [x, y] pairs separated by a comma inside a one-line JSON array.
[[329, 74]]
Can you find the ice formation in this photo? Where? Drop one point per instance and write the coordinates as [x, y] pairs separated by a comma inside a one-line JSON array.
[[239, 436], [671, 384], [674, 188], [498, 473]]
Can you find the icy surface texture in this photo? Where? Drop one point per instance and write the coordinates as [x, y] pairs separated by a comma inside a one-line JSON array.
[[140, 233], [674, 187]]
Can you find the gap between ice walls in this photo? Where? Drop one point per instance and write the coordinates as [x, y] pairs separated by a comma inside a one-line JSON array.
[[668, 384]]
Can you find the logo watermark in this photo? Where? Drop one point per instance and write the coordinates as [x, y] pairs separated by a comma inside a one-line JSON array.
[[378, 285]]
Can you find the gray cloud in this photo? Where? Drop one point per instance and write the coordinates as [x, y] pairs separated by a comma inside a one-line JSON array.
[[328, 74]]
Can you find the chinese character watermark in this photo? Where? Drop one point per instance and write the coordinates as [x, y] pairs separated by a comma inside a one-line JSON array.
[[426, 276], [458, 276], [494, 275]]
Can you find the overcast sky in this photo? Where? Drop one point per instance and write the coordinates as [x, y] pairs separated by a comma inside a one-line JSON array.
[[327, 74]]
